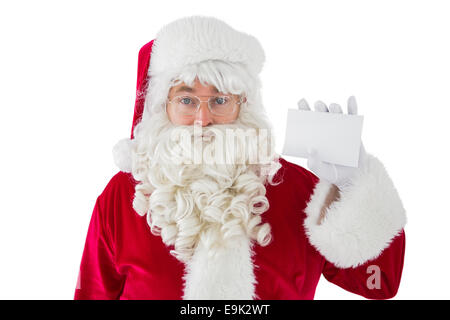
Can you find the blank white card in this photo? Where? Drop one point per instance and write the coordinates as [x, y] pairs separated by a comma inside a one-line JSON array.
[[335, 136]]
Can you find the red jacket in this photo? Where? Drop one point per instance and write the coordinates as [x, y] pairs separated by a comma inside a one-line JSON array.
[[123, 260]]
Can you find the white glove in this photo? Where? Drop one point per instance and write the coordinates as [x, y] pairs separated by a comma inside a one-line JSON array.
[[336, 174]]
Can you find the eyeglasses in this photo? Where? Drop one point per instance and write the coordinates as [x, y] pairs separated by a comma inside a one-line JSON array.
[[188, 105]]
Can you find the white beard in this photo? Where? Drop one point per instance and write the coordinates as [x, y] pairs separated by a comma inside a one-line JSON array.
[[210, 202]]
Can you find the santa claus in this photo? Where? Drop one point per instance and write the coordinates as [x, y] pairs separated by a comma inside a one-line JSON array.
[[193, 214]]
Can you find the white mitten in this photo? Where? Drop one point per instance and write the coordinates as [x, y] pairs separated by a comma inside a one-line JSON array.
[[336, 174]]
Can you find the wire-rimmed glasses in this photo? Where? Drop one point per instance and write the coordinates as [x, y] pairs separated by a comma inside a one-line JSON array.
[[220, 105]]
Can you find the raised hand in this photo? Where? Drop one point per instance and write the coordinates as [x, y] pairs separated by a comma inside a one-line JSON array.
[[336, 174]]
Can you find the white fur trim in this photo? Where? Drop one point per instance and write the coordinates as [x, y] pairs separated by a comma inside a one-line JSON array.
[[122, 154], [198, 38], [362, 223], [227, 276]]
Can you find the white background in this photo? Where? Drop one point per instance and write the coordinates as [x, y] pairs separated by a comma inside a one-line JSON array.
[[67, 86]]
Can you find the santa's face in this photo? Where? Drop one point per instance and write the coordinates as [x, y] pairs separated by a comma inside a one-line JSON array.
[[182, 97], [211, 192]]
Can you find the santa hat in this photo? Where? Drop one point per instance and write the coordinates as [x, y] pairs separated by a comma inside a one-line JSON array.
[[184, 42]]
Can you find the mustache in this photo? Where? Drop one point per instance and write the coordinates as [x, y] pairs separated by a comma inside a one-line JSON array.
[[215, 144]]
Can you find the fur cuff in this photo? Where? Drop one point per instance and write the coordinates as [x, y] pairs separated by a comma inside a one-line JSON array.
[[122, 154], [362, 223]]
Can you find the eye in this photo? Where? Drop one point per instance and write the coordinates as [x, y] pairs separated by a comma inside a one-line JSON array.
[[186, 100], [221, 100]]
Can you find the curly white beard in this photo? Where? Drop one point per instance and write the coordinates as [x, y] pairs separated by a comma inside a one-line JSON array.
[[186, 201]]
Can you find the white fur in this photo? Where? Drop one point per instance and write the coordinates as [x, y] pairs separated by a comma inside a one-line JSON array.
[[226, 276], [193, 39], [362, 223], [122, 154]]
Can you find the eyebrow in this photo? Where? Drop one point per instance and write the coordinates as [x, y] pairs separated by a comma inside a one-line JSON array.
[[189, 89]]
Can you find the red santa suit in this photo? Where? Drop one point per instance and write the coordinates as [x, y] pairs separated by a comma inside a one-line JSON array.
[[360, 239]]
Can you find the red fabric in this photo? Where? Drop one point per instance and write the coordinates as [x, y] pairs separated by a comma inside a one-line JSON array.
[[123, 260], [355, 280], [142, 82]]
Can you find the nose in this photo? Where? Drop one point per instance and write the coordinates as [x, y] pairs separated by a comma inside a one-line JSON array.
[[203, 115]]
